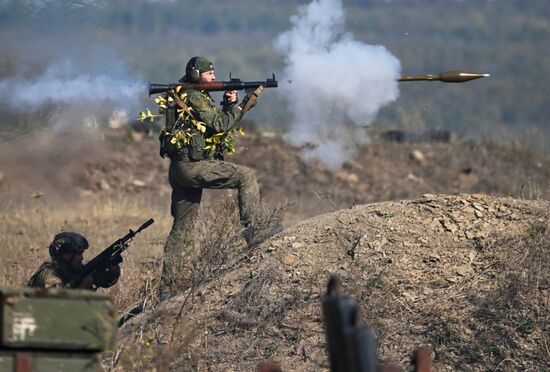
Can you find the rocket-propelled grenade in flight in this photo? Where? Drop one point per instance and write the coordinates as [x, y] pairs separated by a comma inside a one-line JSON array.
[[446, 77]]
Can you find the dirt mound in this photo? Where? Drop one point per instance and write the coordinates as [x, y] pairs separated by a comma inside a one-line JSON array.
[[466, 275]]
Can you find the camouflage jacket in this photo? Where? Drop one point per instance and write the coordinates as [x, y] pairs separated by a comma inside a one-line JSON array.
[[52, 275], [206, 127]]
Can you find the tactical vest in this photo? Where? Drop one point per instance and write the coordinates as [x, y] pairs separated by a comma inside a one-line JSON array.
[[51, 269], [182, 135], [185, 136]]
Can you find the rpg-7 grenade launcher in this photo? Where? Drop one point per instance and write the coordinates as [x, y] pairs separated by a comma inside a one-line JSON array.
[[237, 84], [215, 86]]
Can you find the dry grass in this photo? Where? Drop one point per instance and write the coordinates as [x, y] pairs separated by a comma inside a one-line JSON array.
[[219, 247], [502, 308], [493, 318], [496, 317], [26, 229], [476, 321]]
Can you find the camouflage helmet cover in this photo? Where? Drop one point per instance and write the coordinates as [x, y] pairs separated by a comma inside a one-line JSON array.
[[67, 242]]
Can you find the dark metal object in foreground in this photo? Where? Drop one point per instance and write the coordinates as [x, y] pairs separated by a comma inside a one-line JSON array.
[[112, 254], [446, 77], [215, 86], [351, 346]]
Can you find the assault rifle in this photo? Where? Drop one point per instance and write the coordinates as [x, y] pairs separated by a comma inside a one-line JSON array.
[[112, 254], [215, 86]]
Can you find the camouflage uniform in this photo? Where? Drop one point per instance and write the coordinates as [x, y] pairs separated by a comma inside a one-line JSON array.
[[194, 168], [62, 274], [54, 275], [49, 275]]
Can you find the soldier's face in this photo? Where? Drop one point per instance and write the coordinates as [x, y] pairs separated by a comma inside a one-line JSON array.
[[78, 258], [73, 258], [208, 76]]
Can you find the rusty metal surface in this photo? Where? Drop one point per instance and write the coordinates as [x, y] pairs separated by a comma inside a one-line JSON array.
[[23, 362], [423, 360]]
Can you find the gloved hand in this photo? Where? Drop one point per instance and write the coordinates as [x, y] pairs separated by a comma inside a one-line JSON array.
[[115, 260], [107, 277]]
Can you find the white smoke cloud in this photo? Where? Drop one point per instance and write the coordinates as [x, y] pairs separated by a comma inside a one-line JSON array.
[[77, 97], [336, 86]]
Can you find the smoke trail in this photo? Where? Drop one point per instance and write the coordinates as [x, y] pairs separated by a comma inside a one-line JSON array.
[[77, 96], [337, 84], [63, 84]]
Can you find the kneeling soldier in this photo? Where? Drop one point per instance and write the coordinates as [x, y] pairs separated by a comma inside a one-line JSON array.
[[65, 268]]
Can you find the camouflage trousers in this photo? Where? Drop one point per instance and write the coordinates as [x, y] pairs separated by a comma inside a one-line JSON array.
[[188, 179]]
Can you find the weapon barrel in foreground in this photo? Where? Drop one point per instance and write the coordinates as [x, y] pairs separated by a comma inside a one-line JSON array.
[[446, 77]]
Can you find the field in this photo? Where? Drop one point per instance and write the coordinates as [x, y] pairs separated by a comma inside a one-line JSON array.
[[101, 183], [434, 212]]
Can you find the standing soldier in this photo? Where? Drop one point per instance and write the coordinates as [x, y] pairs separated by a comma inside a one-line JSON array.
[[197, 135], [65, 268]]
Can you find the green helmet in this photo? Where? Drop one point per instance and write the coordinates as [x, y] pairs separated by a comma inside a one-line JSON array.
[[67, 242], [195, 67]]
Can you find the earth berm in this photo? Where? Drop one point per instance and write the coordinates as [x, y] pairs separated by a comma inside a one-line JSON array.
[[465, 275]]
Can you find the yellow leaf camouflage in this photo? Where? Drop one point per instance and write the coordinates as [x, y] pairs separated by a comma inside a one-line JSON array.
[[191, 120], [147, 115], [199, 125]]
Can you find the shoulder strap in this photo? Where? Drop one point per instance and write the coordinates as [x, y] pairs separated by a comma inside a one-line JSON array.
[[37, 279]]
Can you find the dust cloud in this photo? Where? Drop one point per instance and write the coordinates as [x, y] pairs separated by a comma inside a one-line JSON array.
[[61, 76], [77, 97], [335, 85], [57, 66]]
